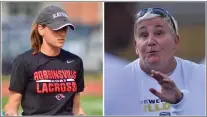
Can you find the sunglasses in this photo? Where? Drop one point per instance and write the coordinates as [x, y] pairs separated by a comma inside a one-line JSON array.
[[159, 11]]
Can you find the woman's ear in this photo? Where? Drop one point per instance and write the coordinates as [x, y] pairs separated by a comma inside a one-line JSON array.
[[176, 39], [136, 49], [41, 29]]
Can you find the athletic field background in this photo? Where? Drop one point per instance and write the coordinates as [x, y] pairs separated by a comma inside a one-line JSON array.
[[91, 98]]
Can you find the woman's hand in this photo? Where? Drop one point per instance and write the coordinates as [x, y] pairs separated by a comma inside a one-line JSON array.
[[169, 91], [9, 111]]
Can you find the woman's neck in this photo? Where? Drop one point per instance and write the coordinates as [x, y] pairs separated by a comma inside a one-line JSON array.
[[50, 50]]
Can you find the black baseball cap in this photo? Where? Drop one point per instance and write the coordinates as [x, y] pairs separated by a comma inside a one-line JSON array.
[[54, 17]]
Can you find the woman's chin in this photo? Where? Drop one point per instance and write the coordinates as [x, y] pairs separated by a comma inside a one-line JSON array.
[[153, 60]]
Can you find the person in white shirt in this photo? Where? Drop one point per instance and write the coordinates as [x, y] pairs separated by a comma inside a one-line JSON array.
[[157, 83]]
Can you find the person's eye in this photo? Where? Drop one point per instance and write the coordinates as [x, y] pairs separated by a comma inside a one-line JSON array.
[[159, 33], [143, 35]]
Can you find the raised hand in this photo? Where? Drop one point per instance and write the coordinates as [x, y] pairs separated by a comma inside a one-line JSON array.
[[169, 91]]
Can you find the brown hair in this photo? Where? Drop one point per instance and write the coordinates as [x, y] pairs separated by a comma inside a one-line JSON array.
[[35, 39]]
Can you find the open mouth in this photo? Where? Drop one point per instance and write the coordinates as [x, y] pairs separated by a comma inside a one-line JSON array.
[[151, 52]]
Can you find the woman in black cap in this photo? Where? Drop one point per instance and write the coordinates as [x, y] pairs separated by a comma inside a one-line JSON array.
[[46, 79]]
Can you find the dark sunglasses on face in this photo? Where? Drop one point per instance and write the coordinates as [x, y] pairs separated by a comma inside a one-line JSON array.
[[159, 11]]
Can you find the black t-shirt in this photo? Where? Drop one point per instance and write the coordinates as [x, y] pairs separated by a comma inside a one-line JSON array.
[[47, 84]]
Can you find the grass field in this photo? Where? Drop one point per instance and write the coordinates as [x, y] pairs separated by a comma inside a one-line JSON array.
[[92, 105]]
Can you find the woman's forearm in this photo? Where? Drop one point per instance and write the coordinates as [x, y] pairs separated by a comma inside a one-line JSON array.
[[77, 109], [12, 106]]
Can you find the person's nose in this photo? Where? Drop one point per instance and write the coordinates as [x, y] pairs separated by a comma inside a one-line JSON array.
[[151, 40]]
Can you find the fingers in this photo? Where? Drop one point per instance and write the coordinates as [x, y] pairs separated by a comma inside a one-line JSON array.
[[10, 114], [168, 81], [158, 76], [155, 92], [163, 79]]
